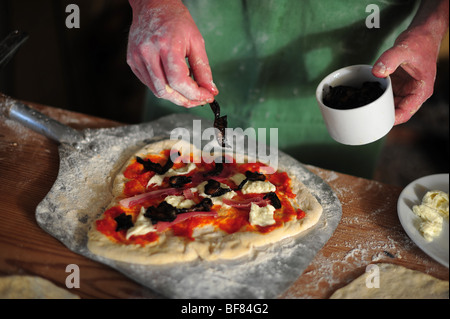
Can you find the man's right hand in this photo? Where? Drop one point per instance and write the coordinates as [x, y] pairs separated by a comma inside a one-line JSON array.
[[162, 35]]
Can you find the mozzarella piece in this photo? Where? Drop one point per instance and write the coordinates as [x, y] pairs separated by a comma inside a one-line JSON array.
[[261, 216], [432, 212], [142, 226], [430, 230], [437, 200], [258, 187], [179, 201], [158, 179]]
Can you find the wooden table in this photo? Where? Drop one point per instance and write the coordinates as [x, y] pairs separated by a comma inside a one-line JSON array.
[[369, 232]]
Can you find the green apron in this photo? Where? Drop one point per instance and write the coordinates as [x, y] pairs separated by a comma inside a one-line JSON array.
[[268, 56]]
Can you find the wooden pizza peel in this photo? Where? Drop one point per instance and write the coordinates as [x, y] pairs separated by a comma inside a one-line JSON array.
[[88, 161]]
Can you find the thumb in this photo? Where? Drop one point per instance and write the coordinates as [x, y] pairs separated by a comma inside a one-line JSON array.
[[388, 62]]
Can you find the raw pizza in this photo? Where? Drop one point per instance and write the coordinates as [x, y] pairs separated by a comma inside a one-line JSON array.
[[171, 203]]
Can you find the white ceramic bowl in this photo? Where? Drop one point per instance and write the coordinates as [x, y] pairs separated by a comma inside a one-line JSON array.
[[364, 124]]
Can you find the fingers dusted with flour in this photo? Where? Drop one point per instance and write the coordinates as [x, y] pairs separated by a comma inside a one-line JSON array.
[[413, 75], [411, 62], [162, 36]]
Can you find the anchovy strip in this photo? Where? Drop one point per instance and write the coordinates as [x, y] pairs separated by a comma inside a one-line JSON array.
[[167, 213], [214, 189], [123, 221], [220, 123], [156, 167]]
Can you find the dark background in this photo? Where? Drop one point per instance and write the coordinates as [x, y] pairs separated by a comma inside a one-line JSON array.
[[85, 70]]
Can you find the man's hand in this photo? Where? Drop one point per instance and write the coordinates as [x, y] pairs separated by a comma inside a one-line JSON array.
[[411, 62], [162, 35]]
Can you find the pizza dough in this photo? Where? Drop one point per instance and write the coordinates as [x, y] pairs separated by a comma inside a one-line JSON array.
[[395, 282], [31, 287], [210, 243]]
